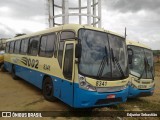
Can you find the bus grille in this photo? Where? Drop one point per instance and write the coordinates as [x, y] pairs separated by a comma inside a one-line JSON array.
[[108, 101], [110, 89], [145, 82]]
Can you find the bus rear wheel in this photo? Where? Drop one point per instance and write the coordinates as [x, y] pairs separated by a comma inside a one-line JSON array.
[[48, 89], [3, 68], [14, 76]]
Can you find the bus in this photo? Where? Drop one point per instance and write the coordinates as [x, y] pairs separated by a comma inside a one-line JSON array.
[[1, 57], [83, 66], [141, 70]]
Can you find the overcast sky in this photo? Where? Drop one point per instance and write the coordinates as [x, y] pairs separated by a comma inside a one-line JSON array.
[[141, 17]]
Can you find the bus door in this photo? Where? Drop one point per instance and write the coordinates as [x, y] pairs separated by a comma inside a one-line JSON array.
[[68, 72]]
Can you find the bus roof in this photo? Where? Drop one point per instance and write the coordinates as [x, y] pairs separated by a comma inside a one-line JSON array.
[[131, 42], [74, 27]]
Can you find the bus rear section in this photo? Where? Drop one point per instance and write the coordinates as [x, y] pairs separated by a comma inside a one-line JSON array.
[[83, 67], [141, 70]]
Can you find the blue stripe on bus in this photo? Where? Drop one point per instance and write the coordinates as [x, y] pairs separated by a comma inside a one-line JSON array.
[[66, 91], [62, 88], [8, 66], [134, 92]]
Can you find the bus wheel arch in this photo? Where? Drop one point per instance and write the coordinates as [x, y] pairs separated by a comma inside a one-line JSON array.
[[3, 69], [48, 88], [13, 72]]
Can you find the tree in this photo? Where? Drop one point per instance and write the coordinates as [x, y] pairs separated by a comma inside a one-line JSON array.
[[19, 34]]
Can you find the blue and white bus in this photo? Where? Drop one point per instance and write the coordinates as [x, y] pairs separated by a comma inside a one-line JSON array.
[[80, 65], [141, 70]]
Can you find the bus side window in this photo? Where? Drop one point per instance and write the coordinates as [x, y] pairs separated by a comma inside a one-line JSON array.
[[33, 46], [24, 46], [64, 36], [50, 45], [7, 47], [60, 53], [68, 62], [43, 46], [67, 35], [17, 46], [11, 47], [47, 45]]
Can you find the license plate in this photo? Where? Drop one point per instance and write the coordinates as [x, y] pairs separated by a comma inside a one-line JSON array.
[[101, 83], [111, 96], [142, 86]]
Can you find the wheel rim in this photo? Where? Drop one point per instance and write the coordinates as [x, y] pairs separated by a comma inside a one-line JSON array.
[[48, 89]]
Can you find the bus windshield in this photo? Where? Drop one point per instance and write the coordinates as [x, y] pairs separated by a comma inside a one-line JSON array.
[[142, 63], [103, 55]]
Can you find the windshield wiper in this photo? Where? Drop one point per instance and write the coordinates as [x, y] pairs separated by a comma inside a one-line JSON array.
[[103, 63], [149, 67], [114, 59], [143, 70], [146, 64]]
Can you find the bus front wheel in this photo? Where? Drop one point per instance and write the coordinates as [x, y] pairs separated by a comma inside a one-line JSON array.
[[48, 89]]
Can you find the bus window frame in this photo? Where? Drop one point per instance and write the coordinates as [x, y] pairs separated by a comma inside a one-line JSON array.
[[62, 54], [13, 47], [29, 54], [63, 40], [64, 57], [55, 53], [24, 39], [19, 40], [8, 47], [51, 33], [68, 30]]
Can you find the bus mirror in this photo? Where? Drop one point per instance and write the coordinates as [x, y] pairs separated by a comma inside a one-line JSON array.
[[130, 55], [78, 50]]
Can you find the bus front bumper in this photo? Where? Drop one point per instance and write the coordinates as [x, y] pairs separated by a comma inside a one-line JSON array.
[[86, 99], [134, 92]]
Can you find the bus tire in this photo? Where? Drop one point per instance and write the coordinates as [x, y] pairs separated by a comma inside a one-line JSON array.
[[47, 89], [14, 76], [3, 68]]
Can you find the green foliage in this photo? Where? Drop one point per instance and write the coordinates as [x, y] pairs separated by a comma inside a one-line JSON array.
[[156, 52]]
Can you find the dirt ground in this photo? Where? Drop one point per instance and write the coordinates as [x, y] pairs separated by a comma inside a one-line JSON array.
[[18, 95]]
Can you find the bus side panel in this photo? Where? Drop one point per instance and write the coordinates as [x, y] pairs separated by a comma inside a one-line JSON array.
[[8, 66], [63, 90], [32, 76], [67, 92], [134, 92], [57, 87]]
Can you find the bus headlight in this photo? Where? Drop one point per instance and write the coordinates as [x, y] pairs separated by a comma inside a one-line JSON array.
[[84, 85], [152, 85], [125, 86]]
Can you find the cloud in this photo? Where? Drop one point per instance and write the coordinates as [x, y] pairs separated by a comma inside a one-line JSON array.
[[6, 31], [24, 9], [141, 17], [133, 5]]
